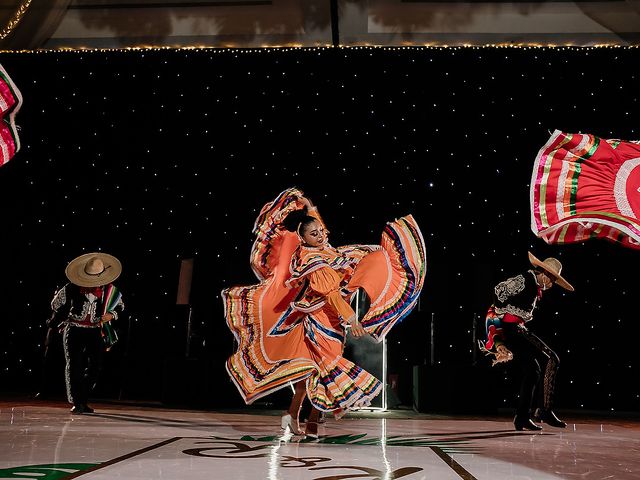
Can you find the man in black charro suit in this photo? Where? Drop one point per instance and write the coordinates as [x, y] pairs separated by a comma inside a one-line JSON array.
[[82, 307], [508, 338]]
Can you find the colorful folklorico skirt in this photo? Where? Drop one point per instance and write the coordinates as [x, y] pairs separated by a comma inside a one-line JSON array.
[[10, 102], [281, 342], [586, 187]]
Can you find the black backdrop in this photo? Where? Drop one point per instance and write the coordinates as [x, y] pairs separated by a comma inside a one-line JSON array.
[[159, 155]]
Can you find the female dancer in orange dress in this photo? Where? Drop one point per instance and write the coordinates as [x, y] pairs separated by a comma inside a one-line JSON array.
[[291, 327]]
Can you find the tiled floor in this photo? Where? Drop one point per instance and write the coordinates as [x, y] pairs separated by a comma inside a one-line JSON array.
[[123, 442]]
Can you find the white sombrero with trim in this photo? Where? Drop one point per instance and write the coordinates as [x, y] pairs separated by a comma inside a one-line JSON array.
[[553, 267], [93, 269]]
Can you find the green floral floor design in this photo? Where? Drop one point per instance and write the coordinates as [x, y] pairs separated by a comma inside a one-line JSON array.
[[52, 471]]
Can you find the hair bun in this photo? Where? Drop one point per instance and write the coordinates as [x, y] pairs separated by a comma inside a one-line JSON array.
[[293, 220]]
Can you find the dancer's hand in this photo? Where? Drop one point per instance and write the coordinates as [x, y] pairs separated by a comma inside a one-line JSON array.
[[356, 328], [107, 317], [306, 202], [503, 354]]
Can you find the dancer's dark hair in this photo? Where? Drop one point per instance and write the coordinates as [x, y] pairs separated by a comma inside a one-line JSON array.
[[297, 221]]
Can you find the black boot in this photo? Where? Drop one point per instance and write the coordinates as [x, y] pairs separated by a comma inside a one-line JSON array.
[[547, 416], [78, 409], [525, 423]]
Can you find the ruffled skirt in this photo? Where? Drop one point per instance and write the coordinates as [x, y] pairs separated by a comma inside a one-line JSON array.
[[278, 344], [10, 103]]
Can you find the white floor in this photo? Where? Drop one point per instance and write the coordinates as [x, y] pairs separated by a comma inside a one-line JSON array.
[[45, 441]]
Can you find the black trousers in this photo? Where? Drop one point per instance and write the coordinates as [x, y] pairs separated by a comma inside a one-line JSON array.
[[537, 364], [83, 351]]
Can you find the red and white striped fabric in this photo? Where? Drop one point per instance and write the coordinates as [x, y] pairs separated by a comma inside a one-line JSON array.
[[586, 187], [10, 103]]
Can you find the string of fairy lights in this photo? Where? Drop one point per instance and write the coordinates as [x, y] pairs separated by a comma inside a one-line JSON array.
[[15, 19], [280, 49]]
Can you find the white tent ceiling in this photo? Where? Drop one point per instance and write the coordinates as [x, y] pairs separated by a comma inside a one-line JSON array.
[[52, 24]]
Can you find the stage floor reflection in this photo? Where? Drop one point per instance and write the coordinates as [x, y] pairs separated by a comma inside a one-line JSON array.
[[43, 440]]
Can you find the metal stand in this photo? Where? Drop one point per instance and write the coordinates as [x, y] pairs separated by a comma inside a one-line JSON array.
[[432, 353], [365, 349], [187, 350], [474, 342]]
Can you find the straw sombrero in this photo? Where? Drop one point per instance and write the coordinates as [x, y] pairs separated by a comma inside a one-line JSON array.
[[93, 269], [553, 267]]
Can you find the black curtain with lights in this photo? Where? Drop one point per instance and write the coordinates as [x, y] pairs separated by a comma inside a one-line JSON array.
[[160, 155]]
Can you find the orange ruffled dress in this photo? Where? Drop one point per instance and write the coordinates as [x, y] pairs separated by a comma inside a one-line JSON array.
[[289, 327]]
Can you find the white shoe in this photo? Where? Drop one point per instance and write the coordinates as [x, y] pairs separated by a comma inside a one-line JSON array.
[[286, 422], [308, 434]]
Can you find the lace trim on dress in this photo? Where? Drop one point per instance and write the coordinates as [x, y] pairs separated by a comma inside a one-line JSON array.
[[518, 312]]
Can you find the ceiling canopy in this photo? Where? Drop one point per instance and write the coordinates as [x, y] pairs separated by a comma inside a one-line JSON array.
[[56, 24]]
